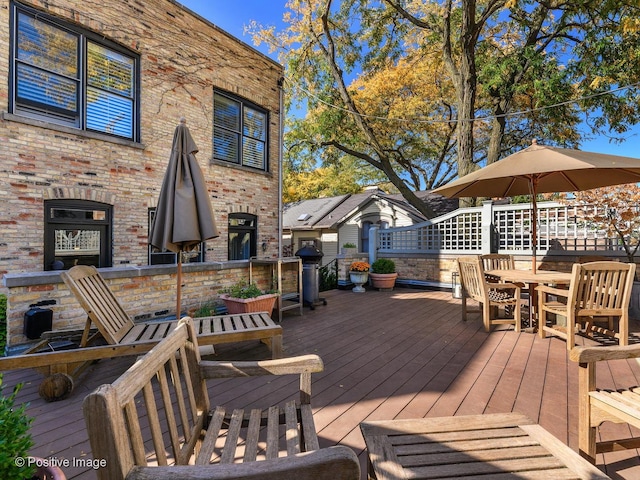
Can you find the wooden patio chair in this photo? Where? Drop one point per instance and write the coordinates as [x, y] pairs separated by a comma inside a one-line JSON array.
[[597, 405], [598, 291], [156, 421], [108, 322], [497, 261], [488, 295]]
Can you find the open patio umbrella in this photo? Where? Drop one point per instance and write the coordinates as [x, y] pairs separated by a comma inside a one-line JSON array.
[[544, 169], [184, 216]]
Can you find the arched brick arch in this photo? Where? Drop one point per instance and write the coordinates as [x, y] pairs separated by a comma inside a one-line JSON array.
[[243, 209], [76, 193]]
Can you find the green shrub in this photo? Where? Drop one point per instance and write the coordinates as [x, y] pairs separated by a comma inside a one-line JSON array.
[[243, 289], [206, 310], [349, 245], [15, 438], [383, 265]]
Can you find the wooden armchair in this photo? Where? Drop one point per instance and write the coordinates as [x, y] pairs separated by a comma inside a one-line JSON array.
[[156, 422], [488, 295], [598, 405], [598, 291]]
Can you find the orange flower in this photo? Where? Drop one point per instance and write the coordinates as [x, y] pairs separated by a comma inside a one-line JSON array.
[[359, 267]]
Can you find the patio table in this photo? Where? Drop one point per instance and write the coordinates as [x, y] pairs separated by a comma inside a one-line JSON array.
[[499, 445], [532, 279]]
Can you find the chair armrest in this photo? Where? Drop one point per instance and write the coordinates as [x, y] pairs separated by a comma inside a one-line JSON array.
[[333, 463], [282, 366], [558, 292], [597, 354]]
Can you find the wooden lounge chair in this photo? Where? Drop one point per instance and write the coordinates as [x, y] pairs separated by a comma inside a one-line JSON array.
[[488, 295], [598, 291], [597, 405], [156, 422], [108, 322]]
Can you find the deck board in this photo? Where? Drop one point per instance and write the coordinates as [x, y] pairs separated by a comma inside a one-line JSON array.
[[388, 354]]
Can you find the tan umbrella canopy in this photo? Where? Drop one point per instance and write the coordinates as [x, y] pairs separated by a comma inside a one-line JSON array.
[[543, 169], [184, 216]]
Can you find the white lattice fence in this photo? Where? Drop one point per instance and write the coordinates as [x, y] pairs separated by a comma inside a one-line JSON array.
[[561, 228], [457, 232]]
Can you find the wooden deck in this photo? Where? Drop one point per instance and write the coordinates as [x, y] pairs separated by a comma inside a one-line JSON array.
[[396, 354]]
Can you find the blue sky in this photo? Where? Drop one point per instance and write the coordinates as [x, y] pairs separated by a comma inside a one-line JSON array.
[[233, 17]]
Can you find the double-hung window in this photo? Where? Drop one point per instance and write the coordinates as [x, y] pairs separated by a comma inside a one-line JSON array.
[[239, 132], [64, 75]]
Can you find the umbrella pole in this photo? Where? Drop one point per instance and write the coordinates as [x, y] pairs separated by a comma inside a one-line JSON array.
[[534, 226], [179, 289]]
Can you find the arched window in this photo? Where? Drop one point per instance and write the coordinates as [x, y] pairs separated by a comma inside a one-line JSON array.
[[242, 236], [77, 232]]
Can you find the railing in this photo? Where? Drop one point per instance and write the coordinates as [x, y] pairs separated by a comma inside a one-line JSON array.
[[456, 232], [329, 276], [502, 229]]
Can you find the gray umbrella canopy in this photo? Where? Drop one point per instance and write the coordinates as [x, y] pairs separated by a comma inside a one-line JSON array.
[[184, 216], [543, 169]]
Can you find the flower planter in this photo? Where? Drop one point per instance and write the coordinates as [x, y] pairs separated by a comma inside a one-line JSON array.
[[359, 279], [382, 280], [262, 303]]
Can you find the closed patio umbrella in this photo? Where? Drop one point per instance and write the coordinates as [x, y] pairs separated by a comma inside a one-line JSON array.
[[544, 169], [184, 216]]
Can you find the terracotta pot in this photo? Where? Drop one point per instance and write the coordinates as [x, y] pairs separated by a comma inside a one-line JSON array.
[[382, 280], [262, 303]]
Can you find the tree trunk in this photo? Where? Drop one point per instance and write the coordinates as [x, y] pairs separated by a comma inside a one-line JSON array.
[[466, 86]]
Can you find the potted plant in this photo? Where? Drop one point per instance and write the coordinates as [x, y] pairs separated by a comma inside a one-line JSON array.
[[245, 297], [383, 273], [15, 442], [349, 248], [359, 274]]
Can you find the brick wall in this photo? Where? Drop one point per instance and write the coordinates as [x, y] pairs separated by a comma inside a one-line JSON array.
[[146, 293], [183, 58]]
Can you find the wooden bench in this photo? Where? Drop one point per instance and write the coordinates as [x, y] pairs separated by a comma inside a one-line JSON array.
[[596, 405], [108, 322], [156, 422]]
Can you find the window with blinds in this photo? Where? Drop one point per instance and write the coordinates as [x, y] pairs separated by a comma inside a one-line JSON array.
[[64, 75], [239, 132]]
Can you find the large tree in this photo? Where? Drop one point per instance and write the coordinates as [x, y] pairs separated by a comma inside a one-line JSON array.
[[423, 91]]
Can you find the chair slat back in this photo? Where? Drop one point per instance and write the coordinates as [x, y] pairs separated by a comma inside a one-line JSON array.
[[98, 301], [472, 278], [602, 286], [162, 399], [497, 261]]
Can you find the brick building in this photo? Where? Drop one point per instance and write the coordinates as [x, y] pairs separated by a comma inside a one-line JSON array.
[[91, 93]]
